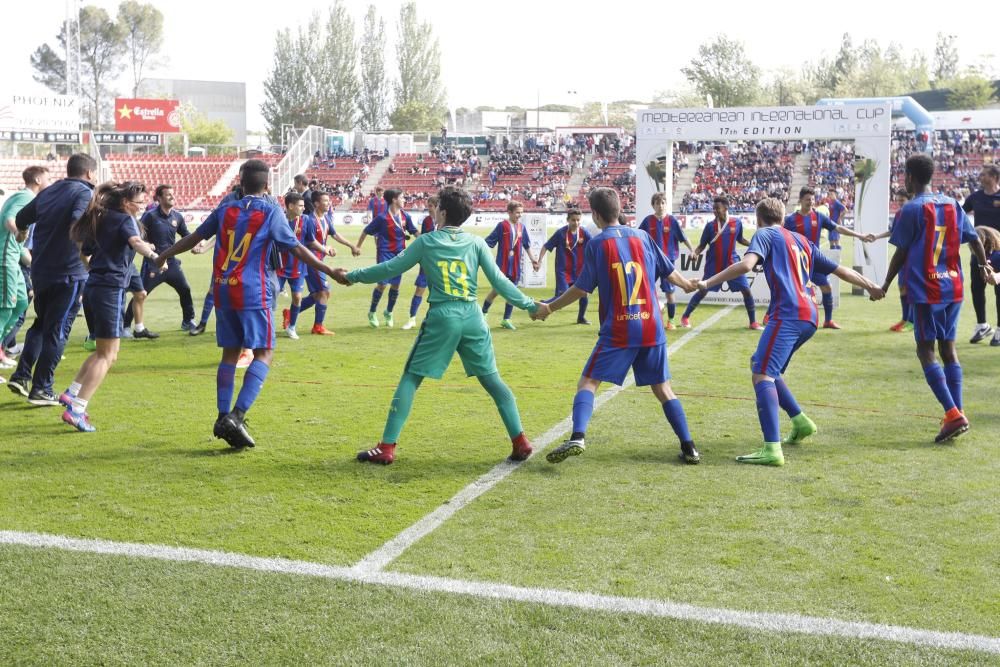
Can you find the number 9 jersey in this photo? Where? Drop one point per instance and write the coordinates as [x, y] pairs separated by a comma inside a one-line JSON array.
[[624, 265]]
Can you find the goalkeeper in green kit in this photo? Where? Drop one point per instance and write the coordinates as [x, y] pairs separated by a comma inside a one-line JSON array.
[[451, 260]]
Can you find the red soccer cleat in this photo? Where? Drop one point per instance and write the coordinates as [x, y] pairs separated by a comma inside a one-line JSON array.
[[830, 324], [286, 318], [383, 453], [952, 427], [521, 449], [320, 330], [246, 358], [898, 326], [686, 323], [756, 326]]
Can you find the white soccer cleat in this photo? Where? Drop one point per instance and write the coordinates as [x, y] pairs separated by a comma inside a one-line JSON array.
[[410, 323], [290, 331]]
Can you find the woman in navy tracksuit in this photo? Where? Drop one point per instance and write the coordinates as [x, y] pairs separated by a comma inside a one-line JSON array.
[[109, 235]]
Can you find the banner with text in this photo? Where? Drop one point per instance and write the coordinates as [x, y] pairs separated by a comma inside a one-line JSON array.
[[141, 115], [53, 113], [867, 125], [535, 226]]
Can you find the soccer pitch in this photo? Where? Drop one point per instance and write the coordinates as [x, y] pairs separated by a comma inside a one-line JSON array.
[[871, 546]]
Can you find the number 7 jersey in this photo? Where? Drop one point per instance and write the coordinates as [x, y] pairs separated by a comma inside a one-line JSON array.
[[931, 229], [624, 265]]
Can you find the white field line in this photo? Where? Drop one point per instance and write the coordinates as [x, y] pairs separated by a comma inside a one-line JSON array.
[[391, 550], [769, 622]]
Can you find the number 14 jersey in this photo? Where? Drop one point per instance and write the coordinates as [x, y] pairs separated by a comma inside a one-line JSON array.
[[624, 265]]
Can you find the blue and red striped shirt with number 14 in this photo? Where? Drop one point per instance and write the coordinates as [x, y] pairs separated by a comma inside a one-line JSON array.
[[790, 260], [624, 265], [932, 229], [244, 231]]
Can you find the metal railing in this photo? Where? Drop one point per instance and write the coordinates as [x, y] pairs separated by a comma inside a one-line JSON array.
[[298, 158]]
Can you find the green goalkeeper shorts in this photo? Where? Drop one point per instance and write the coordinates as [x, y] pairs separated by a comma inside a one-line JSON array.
[[450, 327]]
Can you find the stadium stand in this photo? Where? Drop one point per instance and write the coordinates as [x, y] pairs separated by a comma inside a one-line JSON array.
[[12, 167], [831, 164], [744, 172], [191, 177]]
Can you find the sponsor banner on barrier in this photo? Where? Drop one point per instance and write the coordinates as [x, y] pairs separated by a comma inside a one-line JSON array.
[[536, 227], [41, 137], [142, 115], [127, 138], [48, 113]]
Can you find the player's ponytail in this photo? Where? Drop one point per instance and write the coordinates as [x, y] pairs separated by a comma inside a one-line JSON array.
[[108, 196]]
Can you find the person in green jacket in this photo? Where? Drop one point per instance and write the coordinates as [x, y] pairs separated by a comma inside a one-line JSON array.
[[13, 290], [451, 260]]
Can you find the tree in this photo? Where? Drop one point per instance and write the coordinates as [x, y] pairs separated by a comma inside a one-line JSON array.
[[102, 51], [598, 114], [142, 26], [788, 88], [204, 132], [417, 117], [945, 58], [970, 91], [565, 108], [286, 86], [373, 102], [685, 98], [419, 60], [723, 70], [336, 72]]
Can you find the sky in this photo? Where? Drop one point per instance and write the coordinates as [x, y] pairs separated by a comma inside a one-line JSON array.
[[518, 50]]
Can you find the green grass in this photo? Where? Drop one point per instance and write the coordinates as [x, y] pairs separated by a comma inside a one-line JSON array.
[[867, 521]]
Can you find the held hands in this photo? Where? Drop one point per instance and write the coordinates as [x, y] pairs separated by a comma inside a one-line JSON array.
[[355, 251], [869, 238], [198, 249], [340, 275], [331, 251], [875, 292], [543, 312]]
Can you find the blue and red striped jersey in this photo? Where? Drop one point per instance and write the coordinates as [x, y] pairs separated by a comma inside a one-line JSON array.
[[390, 232], [322, 229], [509, 239], [291, 266], [427, 225], [932, 229], [810, 226], [837, 210], [790, 261], [720, 252], [377, 207], [624, 265], [667, 234], [245, 232], [569, 248]]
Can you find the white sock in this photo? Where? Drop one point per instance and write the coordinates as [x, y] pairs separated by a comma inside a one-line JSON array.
[[74, 388], [79, 405], [139, 326]]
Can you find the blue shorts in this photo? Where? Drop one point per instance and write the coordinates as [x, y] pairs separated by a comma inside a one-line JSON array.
[[778, 342], [296, 285], [735, 285], [395, 280], [820, 280], [316, 282], [102, 306], [562, 284], [667, 286], [611, 364], [252, 329], [935, 321], [135, 283], [421, 280]]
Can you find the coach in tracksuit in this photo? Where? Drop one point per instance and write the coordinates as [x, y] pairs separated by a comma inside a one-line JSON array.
[[162, 225], [57, 275]]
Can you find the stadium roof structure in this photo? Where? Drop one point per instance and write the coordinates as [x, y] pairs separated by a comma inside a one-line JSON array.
[[937, 99]]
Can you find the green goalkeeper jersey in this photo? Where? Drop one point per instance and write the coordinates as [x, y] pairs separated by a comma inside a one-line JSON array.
[[450, 259]]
